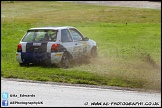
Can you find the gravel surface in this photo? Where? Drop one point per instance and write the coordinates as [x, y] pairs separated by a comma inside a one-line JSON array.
[[136, 4]]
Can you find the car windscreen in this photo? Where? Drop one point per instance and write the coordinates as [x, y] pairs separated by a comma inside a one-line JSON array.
[[40, 35]]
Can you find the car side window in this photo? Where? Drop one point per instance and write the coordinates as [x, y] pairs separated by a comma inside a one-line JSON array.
[[65, 36], [76, 35]]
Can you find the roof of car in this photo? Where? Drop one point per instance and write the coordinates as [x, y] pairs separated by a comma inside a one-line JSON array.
[[52, 27]]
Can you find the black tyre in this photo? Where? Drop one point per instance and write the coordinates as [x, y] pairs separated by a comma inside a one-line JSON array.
[[94, 52], [24, 64], [64, 61], [21, 64]]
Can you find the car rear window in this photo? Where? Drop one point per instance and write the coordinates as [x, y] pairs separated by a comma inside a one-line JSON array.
[[40, 35]]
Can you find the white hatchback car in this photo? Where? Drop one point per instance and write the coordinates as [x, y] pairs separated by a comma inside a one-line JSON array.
[[54, 45]]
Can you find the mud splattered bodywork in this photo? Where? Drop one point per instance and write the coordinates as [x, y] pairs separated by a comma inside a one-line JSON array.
[[54, 45]]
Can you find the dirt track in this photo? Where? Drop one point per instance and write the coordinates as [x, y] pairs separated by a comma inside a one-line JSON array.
[[136, 4]]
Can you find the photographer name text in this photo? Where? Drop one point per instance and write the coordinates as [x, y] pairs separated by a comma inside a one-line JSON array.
[[22, 95]]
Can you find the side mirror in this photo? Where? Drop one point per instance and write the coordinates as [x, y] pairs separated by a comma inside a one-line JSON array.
[[86, 39]]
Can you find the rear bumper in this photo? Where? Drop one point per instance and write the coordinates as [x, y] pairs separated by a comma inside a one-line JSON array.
[[23, 57], [18, 57]]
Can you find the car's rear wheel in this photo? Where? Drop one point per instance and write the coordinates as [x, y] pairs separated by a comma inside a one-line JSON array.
[[24, 64], [21, 64], [64, 61], [94, 52]]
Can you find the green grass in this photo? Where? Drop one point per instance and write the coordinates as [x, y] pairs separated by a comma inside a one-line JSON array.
[[128, 42]]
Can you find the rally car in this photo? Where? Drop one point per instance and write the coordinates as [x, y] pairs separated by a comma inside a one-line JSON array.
[[54, 45]]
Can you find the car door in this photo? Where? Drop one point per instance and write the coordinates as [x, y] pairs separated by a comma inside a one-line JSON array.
[[80, 45], [67, 40]]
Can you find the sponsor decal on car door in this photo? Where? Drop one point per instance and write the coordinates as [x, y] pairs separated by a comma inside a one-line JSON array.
[[78, 48], [80, 45], [85, 45]]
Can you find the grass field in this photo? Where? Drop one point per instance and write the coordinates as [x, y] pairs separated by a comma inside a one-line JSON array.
[[128, 39]]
